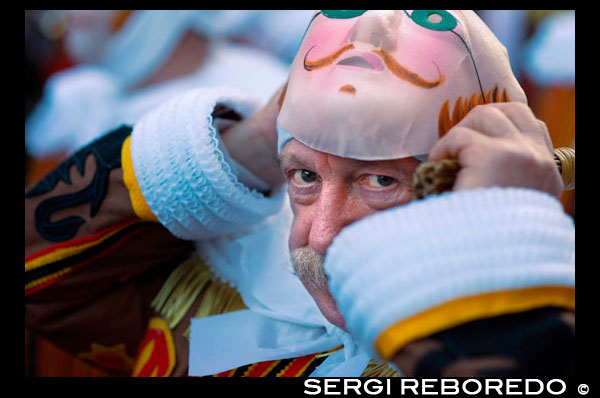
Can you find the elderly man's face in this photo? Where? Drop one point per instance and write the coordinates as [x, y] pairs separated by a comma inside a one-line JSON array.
[[327, 193], [369, 86]]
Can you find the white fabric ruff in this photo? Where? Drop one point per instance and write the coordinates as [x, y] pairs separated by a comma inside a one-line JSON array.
[[283, 320]]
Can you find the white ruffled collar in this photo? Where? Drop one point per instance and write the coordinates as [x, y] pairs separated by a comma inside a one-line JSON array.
[[282, 321]]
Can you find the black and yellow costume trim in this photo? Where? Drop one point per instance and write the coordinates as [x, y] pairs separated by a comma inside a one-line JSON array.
[[140, 207], [470, 308], [292, 367], [54, 263]]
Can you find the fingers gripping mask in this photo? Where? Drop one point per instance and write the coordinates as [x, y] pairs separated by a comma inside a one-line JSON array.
[[374, 85]]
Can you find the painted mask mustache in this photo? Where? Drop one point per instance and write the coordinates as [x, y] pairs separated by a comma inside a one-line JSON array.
[[387, 58]]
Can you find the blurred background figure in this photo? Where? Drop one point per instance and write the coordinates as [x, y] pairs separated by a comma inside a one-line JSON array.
[[511, 28], [44, 56], [549, 67], [541, 46], [117, 64]]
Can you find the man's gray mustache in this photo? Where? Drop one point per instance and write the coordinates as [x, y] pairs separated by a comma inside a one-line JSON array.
[[309, 267]]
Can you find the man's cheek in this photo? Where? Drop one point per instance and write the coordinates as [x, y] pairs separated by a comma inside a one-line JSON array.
[[295, 240]]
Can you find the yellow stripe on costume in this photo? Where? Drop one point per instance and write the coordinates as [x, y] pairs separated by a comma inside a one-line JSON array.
[[156, 353], [303, 368], [269, 369], [466, 309], [70, 251], [47, 278], [140, 207]]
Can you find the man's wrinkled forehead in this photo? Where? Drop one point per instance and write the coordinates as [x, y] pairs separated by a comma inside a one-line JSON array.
[[296, 155]]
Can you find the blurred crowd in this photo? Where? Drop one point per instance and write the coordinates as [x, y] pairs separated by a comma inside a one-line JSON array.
[[88, 71]]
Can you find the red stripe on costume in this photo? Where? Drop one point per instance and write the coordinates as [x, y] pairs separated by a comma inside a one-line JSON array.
[[156, 353], [117, 244], [41, 286], [83, 240], [297, 365], [227, 373], [258, 369]]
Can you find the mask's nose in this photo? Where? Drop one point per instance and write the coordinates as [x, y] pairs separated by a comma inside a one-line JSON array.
[[378, 28]]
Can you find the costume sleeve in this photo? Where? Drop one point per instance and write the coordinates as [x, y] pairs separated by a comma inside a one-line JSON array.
[[94, 255], [100, 236], [185, 174], [534, 343], [473, 273]]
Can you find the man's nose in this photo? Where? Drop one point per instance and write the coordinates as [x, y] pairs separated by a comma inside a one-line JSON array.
[[331, 215], [378, 28]]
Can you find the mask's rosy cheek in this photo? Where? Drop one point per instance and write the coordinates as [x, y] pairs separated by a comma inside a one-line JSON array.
[[431, 54], [326, 37]]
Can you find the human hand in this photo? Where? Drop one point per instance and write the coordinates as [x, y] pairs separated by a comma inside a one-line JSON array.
[[253, 142], [501, 144]]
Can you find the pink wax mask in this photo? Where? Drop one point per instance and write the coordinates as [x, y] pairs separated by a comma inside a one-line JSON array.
[[375, 85]]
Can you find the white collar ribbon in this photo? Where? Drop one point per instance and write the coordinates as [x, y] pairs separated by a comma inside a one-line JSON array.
[[282, 321]]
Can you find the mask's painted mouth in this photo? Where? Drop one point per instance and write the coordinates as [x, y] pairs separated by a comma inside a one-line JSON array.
[[374, 60], [364, 60]]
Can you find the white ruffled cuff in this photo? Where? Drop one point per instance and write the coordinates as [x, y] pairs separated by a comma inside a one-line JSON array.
[[403, 261], [183, 171]]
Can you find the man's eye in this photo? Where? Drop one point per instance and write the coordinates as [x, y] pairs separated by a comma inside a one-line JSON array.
[[304, 177], [434, 19], [342, 14], [376, 181]]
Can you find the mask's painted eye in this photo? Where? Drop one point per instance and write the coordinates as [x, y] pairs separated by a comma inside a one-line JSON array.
[[434, 19], [342, 14]]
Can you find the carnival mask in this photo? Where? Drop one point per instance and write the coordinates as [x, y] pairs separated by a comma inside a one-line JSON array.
[[375, 85]]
